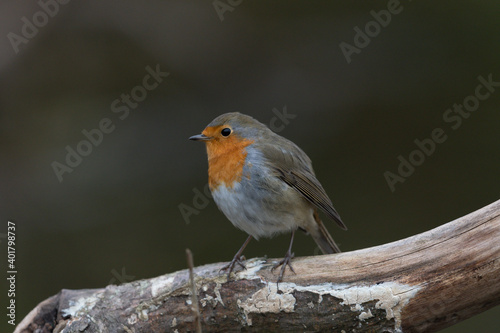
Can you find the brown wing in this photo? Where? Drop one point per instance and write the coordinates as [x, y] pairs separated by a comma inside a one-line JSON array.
[[311, 189], [294, 167]]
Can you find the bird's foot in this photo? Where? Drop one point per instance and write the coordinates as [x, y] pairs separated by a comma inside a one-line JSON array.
[[230, 267], [283, 263]]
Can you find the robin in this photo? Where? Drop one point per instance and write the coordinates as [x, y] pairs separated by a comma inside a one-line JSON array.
[[264, 184]]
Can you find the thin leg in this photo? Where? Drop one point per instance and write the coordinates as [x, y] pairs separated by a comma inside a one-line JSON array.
[[237, 258], [286, 261]]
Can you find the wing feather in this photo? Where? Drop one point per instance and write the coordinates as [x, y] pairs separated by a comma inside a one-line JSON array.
[[311, 189], [294, 167]]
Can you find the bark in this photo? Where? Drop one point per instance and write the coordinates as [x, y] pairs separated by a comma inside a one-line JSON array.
[[422, 283]]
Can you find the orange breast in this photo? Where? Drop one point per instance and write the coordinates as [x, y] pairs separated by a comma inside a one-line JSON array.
[[226, 159]]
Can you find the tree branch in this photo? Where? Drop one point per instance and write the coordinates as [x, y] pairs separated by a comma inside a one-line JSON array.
[[422, 283]]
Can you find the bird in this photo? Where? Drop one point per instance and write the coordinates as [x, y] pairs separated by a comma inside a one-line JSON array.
[[265, 185]]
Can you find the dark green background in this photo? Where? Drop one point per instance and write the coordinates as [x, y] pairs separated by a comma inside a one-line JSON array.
[[118, 211]]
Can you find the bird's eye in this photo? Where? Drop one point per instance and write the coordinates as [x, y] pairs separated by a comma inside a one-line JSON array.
[[225, 132]]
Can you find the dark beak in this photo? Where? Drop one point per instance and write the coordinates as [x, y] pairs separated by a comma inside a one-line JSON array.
[[199, 137]]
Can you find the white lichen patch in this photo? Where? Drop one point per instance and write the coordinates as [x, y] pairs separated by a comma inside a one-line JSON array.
[[217, 288], [212, 300], [162, 285], [208, 300], [80, 307], [267, 300], [365, 315], [389, 296], [252, 267], [356, 307], [143, 315], [142, 312], [132, 320]]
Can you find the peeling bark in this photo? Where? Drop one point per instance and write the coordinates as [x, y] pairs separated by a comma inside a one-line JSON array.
[[419, 284]]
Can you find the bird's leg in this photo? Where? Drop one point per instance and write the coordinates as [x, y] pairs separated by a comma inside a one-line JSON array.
[[236, 259], [286, 261]]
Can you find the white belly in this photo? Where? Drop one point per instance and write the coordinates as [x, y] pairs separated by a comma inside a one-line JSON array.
[[261, 213]]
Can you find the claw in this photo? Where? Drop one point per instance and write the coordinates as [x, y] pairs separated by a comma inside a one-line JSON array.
[[237, 259], [230, 266], [283, 263]]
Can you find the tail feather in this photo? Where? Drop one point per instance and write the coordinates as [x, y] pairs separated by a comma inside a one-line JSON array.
[[323, 238]]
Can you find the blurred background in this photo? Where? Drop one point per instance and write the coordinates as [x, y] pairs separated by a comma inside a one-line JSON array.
[[114, 215]]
